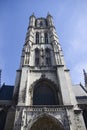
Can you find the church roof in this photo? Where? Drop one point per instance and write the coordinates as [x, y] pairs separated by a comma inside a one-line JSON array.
[[6, 92], [80, 93]]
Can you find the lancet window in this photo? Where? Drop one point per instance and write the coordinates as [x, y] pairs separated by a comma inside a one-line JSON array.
[[48, 56], [41, 23], [46, 23], [35, 23], [37, 37], [44, 94], [37, 57], [46, 38]]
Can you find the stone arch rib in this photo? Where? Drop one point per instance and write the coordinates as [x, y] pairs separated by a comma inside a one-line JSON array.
[[46, 121]]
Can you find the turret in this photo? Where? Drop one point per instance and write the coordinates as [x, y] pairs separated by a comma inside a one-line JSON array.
[[85, 78], [50, 20], [32, 20]]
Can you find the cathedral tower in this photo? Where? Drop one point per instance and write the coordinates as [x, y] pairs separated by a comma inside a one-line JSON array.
[[43, 92]]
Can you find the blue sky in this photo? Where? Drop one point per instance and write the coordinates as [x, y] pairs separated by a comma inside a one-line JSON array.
[[70, 19]]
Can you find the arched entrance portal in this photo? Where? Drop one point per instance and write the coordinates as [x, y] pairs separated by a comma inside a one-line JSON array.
[[46, 123], [45, 93]]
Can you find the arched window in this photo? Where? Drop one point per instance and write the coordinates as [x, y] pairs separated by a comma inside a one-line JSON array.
[[44, 94], [35, 23], [41, 23], [46, 22], [37, 57], [46, 38], [37, 37], [48, 56]]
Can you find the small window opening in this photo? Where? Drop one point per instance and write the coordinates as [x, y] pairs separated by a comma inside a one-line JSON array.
[[37, 57], [46, 38], [41, 23], [37, 37]]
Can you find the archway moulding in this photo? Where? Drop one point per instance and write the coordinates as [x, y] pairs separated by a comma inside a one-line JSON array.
[[47, 121], [41, 80]]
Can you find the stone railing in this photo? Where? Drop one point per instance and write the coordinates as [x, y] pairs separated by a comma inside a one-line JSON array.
[[45, 107]]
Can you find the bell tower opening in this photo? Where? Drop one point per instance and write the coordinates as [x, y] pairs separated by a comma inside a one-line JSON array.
[[44, 93]]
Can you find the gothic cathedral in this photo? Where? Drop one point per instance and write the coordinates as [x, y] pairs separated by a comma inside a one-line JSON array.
[[43, 96]]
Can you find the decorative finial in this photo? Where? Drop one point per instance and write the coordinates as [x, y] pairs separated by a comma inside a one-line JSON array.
[[85, 77], [33, 13], [48, 14]]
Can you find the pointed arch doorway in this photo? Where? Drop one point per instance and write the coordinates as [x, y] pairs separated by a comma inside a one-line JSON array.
[[47, 123]]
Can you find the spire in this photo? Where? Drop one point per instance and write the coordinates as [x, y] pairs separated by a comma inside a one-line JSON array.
[[48, 14], [32, 15], [32, 20], [85, 77]]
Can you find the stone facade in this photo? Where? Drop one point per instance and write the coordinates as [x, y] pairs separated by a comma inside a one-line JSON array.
[[43, 95], [42, 65]]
